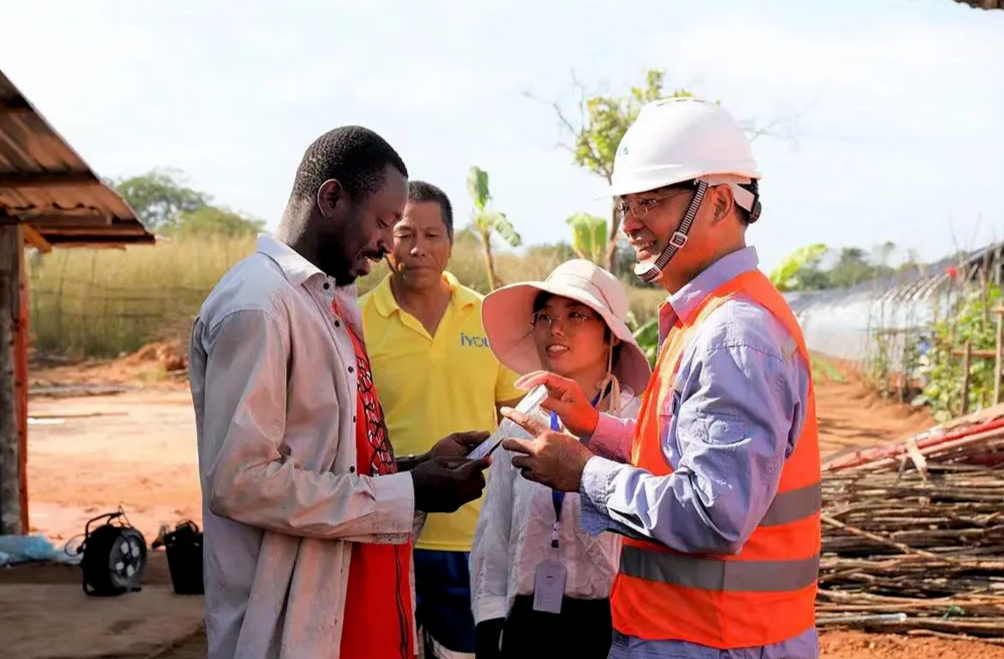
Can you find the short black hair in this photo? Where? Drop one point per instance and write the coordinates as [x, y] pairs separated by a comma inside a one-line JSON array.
[[422, 191], [356, 156]]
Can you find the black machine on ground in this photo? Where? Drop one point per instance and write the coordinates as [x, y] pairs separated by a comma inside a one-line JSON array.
[[114, 556]]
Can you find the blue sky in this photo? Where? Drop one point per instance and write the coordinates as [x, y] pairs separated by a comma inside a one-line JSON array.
[[898, 104]]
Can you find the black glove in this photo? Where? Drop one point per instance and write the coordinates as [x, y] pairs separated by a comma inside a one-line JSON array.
[[442, 485], [487, 637]]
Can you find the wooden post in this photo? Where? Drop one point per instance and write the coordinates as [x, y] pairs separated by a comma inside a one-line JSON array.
[[21, 344], [11, 262], [999, 312], [966, 358]]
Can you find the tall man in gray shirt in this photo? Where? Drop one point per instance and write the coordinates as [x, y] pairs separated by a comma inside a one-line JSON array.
[[306, 511]]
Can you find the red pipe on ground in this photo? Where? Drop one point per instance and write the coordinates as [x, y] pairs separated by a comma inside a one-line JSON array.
[[899, 448]]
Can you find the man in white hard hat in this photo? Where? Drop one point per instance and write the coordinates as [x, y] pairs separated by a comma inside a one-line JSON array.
[[716, 486]]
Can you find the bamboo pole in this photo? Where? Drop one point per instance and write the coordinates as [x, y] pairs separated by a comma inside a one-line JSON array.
[[966, 359], [978, 354], [999, 312]]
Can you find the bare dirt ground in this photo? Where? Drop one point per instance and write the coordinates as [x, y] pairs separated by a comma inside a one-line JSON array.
[[852, 416], [90, 454]]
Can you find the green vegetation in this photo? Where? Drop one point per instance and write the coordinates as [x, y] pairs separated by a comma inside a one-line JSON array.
[[971, 321], [589, 237], [101, 303], [922, 365], [488, 222], [823, 370], [789, 275], [167, 207], [818, 267]]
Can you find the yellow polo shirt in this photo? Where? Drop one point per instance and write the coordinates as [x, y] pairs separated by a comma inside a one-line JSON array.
[[431, 386]]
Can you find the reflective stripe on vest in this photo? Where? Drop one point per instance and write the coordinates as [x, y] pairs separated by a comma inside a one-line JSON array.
[[788, 507], [715, 574], [762, 595]]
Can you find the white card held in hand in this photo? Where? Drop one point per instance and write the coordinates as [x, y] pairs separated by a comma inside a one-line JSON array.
[[529, 405], [549, 586]]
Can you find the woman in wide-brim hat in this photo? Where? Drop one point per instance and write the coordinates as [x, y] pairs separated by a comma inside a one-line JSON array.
[[572, 324]]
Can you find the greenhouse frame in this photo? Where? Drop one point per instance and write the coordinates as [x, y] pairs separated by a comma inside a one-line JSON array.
[[891, 315]]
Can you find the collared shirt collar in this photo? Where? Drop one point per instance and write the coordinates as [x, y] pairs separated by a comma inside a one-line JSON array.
[[296, 268], [688, 298], [386, 304]]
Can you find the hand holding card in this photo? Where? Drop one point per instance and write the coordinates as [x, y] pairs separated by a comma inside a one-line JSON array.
[[529, 405]]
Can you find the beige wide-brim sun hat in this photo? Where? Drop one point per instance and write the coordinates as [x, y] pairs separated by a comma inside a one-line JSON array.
[[506, 313]]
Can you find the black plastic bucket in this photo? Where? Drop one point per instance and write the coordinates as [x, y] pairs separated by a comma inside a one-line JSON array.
[[184, 558]]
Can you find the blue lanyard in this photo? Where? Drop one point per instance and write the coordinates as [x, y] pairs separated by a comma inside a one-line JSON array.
[[558, 498]]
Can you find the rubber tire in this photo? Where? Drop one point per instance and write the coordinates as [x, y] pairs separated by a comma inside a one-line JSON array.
[[100, 579]]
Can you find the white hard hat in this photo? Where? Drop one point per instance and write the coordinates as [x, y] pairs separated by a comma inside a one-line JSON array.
[[675, 140], [680, 139]]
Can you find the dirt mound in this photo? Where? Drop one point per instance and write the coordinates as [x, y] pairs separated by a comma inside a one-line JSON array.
[[162, 363], [170, 355]]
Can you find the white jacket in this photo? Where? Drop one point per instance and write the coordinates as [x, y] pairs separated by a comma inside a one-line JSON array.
[[273, 375], [513, 536]]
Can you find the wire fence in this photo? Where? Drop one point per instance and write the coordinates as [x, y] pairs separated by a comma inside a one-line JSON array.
[[93, 319]]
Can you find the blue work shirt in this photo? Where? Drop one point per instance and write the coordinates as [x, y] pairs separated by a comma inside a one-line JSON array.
[[744, 393]]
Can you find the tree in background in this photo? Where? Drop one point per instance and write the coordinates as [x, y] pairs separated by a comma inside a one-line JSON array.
[[166, 206], [603, 120], [159, 198], [855, 266], [804, 269], [213, 221], [486, 221]]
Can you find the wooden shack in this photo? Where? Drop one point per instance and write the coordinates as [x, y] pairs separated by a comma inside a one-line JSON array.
[[49, 198]]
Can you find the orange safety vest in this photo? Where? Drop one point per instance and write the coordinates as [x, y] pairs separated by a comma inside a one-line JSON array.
[[766, 593]]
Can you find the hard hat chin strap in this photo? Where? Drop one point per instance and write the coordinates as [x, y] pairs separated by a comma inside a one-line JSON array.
[[651, 272]]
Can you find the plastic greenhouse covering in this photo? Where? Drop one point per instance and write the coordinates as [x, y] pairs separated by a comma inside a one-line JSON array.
[[851, 323]]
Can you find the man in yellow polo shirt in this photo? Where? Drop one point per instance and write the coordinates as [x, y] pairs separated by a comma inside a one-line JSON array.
[[435, 375]]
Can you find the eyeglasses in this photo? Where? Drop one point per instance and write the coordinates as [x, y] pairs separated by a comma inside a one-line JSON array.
[[543, 321], [639, 209]]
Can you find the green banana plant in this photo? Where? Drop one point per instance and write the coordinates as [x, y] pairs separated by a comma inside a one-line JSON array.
[[589, 237], [487, 221], [784, 276], [646, 334]]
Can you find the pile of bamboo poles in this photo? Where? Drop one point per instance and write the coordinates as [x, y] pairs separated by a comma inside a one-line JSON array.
[[917, 528]]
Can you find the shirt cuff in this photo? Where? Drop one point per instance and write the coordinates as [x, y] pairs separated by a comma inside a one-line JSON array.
[[592, 521], [610, 438], [490, 608], [395, 497], [597, 476]]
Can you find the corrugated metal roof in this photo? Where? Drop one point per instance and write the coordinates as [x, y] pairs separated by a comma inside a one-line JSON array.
[[983, 4], [44, 183]]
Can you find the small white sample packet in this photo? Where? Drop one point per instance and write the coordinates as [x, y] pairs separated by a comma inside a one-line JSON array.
[[529, 405]]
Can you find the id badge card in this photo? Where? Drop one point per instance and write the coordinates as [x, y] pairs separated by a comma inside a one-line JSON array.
[[549, 586]]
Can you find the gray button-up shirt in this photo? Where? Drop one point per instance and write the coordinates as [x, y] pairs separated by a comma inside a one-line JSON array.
[[273, 376]]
